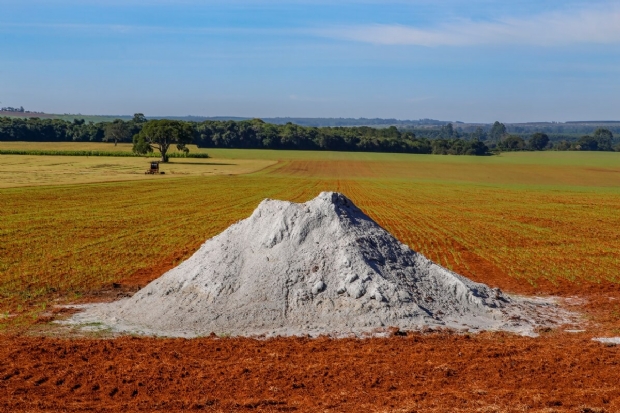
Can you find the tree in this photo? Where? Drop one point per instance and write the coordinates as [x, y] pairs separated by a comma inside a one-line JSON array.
[[139, 118], [539, 141], [498, 130], [447, 131], [291, 135], [392, 132], [479, 134], [562, 145], [605, 138], [586, 143], [512, 143], [477, 148], [135, 124], [602, 132], [440, 146], [160, 134], [116, 131]]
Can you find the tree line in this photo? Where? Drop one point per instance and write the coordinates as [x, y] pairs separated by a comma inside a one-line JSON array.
[[57, 130], [497, 137], [148, 135], [601, 140], [258, 134]]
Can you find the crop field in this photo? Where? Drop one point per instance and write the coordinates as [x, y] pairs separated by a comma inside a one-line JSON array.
[[529, 223], [523, 226], [35, 170], [65, 146]]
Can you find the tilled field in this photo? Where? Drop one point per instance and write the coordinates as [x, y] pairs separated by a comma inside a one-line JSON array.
[[534, 231], [421, 372], [79, 239]]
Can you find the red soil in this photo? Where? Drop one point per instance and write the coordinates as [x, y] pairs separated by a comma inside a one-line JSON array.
[[557, 372], [431, 372]]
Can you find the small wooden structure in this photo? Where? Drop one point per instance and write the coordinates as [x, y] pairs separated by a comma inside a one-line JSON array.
[[154, 169]]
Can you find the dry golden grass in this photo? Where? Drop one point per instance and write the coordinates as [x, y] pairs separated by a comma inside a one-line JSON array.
[[66, 146], [84, 146], [33, 170]]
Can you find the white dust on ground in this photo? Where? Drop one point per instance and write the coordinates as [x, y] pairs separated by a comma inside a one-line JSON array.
[[321, 267], [607, 340]]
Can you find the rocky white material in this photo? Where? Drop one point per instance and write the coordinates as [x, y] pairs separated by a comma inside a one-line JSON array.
[[321, 267]]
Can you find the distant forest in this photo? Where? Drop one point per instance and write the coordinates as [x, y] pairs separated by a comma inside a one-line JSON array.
[[443, 138]]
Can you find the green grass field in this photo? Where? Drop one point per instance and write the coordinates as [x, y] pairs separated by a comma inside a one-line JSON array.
[[526, 222], [551, 158]]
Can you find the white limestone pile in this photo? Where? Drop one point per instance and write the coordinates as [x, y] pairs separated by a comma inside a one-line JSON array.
[[321, 267]]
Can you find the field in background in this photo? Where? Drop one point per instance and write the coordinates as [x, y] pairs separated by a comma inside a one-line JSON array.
[[566, 170], [36, 170], [67, 117], [574, 159], [87, 146], [528, 223]]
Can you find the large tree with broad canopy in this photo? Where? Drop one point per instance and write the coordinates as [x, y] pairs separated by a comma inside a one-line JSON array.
[[160, 134]]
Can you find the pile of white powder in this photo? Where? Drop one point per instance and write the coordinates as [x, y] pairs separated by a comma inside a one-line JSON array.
[[321, 267]]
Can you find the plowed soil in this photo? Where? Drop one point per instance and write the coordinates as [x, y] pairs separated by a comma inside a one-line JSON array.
[[433, 372], [102, 242]]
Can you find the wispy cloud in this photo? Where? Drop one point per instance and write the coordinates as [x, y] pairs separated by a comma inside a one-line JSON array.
[[600, 26], [594, 25]]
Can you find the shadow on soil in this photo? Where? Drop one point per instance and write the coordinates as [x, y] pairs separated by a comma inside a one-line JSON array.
[[198, 163]]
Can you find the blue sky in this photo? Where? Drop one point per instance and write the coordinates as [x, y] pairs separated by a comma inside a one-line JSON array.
[[475, 60]]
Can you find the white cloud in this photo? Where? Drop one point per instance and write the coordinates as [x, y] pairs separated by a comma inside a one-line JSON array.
[[601, 26], [596, 25]]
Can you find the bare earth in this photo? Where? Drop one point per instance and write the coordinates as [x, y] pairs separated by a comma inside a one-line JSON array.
[[485, 373]]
